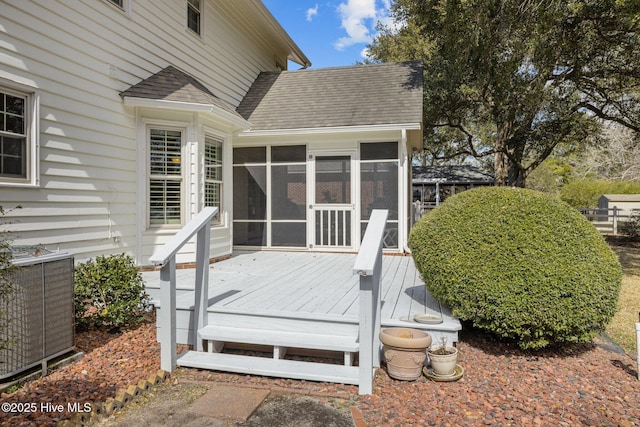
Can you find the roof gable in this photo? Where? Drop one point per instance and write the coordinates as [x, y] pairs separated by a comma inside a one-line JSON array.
[[173, 85], [380, 94]]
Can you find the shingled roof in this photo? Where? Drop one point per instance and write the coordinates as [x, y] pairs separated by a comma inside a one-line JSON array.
[[380, 94], [454, 174], [171, 84]]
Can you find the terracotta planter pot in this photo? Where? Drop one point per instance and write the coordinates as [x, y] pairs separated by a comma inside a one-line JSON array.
[[443, 364], [405, 350]]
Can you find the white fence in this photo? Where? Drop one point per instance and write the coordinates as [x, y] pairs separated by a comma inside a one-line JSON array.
[[608, 220]]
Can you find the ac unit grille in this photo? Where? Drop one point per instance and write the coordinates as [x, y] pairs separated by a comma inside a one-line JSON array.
[[39, 314]]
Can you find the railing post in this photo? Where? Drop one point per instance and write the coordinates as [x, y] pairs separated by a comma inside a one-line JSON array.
[[201, 302], [166, 258], [167, 321], [369, 266], [367, 309], [615, 220]]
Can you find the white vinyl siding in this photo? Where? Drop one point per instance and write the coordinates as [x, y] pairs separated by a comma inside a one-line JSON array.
[[165, 177], [87, 193], [213, 174]]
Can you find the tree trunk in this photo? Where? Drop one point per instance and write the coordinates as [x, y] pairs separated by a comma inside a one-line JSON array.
[[516, 176], [500, 157], [516, 172]]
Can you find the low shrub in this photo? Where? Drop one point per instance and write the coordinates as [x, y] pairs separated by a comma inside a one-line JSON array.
[[631, 227], [584, 193], [109, 291], [520, 264]]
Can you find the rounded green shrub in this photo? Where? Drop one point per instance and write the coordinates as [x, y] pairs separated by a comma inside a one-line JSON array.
[[518, 263], [109, 291]]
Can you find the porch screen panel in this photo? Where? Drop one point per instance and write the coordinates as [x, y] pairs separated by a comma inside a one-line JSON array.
[[165, 176], [250, 197], [379, 186], [288, 205], [333, 179]]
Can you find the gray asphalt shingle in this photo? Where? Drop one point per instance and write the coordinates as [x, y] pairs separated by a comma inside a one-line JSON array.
[[379, 94]]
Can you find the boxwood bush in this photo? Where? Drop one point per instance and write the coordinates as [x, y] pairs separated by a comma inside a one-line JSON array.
[[519, 263], [109, 291]]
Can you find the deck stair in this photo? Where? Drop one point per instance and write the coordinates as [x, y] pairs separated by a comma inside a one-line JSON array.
[[281, 368], [214, 338], [210, 337]]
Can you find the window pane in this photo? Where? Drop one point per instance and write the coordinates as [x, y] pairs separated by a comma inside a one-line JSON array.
[[118, 3], [12, 114], [250, 192], [13, 157], [289, 192], [15, 105], [164, 202], [289, 154], [289, 234], [213, 159], [14, 124], [213, 174], [379, 188], [193, 15], [379, 151], [165, 151], [249, 155], [333, 179], [249, 234], [165, 183]]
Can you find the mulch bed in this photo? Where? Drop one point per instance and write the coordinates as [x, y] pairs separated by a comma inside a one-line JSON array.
[[502, 386], [113, 360]]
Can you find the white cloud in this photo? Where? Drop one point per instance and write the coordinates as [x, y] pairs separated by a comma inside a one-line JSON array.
[[312, 12], [359, 18]]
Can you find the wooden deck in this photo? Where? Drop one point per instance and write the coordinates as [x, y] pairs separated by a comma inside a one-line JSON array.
[[302, 292]]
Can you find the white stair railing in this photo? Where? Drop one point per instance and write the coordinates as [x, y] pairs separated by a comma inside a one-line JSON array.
[[369, 266], [166, 257]]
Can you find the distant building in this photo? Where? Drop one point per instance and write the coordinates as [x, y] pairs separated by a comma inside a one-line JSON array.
[[433, 184], [625, 204]]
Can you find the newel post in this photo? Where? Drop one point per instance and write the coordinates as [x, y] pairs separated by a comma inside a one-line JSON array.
[[167, 321], [368, 266], [201, 302]]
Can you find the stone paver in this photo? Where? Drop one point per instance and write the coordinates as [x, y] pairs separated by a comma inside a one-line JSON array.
[[229, 402]]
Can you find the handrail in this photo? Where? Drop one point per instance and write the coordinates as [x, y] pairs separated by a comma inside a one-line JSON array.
[[169, 249], [371, 243], [166, 257], [368, 266]]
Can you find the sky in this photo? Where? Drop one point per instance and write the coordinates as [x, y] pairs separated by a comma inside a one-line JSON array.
[[331, 32]]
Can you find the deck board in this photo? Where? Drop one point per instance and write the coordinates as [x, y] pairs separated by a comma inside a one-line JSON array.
[[315, 285]]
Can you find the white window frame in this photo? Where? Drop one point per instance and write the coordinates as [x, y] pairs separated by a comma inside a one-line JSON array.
[[126, 5], [199, 10], [182, 178], [208, 136], [31, 134]]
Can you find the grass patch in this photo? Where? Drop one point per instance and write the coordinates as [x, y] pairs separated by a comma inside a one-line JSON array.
[[622, 327]]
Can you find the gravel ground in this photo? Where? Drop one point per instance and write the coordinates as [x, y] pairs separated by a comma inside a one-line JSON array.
[[502, 386]]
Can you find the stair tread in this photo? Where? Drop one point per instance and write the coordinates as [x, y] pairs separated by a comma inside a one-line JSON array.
[[280, 338], [282, 368]]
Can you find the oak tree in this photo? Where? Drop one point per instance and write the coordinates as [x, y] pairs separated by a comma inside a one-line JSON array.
[[513, 79]]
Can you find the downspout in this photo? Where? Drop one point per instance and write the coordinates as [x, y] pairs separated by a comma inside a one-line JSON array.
[[406, 186]]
